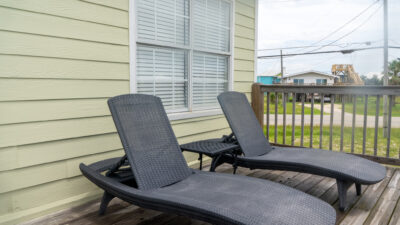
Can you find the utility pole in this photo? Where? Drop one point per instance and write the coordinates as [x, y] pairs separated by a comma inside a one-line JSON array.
[[281, 65], [385, 66]]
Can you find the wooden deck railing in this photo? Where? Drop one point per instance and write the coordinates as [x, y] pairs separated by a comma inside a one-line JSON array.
[[280, 95]]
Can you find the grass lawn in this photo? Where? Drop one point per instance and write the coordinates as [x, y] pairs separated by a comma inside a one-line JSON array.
[[371, 106], [289, 105], [369, 146]]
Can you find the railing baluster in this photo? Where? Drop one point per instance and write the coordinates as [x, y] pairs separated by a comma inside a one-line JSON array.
[[302, 120], [284, 118], [342, 124], [321, 119], [293, 116], [268, 101], [365, 123], [312, 120], [353, 122], [331, 121], [389, 125], [276, 117], [378, 97]]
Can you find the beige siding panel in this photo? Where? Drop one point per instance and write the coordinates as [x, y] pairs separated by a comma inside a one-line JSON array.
[[244, 21], [32, 176], [183, 130], [50, 192], [37, 67], [245, 10], [73, 9], [244, 43], [196, 119], [243, 86], [244, 76], [23, 215], [35, 23], [45, 173], [244, 32], [37, 89], [47, 152], [34, 111], [250, 3], [73, 164], [244, 54], [217, 133], [36, 45], [6, 204], [118, 4], [244, 65], [29, 133]]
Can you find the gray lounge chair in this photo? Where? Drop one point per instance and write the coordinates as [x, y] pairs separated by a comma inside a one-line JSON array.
[[158, 177], [258, 153]]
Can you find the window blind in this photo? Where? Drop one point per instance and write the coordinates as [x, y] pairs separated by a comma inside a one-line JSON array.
[[211, 25], [163, 72], [163, 21], [210, 78]]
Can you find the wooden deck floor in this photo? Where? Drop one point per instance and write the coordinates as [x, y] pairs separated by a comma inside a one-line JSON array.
[[379, 204]]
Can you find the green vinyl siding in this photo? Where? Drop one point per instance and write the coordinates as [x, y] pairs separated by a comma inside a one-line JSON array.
[[59, 63]]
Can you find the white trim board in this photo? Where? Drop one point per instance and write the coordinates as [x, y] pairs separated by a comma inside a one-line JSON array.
[[256, 40]]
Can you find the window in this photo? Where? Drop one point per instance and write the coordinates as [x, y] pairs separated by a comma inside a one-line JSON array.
[[183, 52], [321, 82], [298, 81]]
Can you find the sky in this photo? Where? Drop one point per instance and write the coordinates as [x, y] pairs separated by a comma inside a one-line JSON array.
[[291, 23]]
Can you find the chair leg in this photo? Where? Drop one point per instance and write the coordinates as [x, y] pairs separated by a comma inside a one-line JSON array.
[[214, 163], [201, 161], [104, 202], [342, 186], [358, 189], [234, 169]]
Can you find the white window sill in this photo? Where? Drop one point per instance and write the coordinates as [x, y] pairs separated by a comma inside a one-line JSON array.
[[195, 114]]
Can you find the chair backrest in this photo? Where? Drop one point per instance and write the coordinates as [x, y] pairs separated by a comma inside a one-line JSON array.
[[148, 140], [244, 123]]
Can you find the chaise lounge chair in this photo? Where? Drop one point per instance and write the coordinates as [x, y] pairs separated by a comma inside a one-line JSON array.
[[158, 177], [258, 153]]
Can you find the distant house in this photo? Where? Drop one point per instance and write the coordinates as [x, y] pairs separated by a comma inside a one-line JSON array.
[[310, 78], [268, 79]]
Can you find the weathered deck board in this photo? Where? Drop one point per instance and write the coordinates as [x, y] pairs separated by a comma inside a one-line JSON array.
[[379, 203]]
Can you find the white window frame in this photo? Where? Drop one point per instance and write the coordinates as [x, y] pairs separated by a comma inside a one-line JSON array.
[[132, 60]]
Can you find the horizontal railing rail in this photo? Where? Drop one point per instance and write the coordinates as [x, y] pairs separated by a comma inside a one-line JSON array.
[[266, 98]]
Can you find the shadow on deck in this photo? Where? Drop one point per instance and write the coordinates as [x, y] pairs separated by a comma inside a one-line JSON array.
[[379, 203]]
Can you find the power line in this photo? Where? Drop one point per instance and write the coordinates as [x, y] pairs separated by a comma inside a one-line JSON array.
[[344, 51], [347, 23], [342, 45], [352, 31]]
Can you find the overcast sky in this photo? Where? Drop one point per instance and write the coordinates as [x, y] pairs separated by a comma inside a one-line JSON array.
[[288, 23]]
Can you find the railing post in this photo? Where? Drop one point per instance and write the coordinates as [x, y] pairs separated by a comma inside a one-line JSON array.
[[257, 102]]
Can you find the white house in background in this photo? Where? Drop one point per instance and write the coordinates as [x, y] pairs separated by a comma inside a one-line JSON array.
[[310, 77]]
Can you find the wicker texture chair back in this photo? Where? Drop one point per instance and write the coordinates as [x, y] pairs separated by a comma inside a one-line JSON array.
[[244, 124], [148, 140]]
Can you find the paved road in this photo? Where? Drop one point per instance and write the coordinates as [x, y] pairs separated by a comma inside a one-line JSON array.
[[337, 117]]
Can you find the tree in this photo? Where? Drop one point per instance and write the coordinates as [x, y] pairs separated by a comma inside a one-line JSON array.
[[394, 71], [375, 80]]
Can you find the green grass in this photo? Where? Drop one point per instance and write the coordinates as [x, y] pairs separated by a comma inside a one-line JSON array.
[[371, 106], [289, 105], [358, 139]]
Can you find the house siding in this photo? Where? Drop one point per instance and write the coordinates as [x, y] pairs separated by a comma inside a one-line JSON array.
[[59, 63]]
